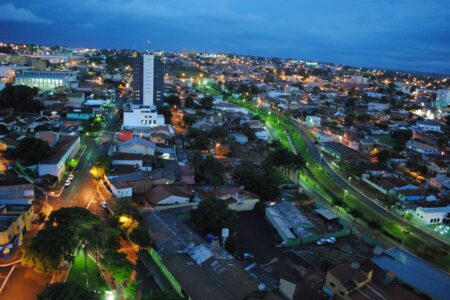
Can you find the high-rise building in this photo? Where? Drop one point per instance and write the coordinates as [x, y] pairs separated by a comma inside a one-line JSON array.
[[147, 90], [148, 80]]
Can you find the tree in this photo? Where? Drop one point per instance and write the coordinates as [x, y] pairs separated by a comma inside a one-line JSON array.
[[338, 202], [349, 119], [20, 97], [131, 291], [383, 155], [400, 138], [218, 132], [173, 100], [140, 237], [189, 102], [207, 103], [189, 119], [70, 290], [166, 112], [31, 150], [211, 216], [3, 129], [118, 264], [200, 142], [212, 171]]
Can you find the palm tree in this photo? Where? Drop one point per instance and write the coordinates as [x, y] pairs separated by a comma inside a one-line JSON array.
[[356, 214]]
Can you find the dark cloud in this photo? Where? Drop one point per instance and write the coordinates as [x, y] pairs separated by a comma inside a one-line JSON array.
[[402, 34]]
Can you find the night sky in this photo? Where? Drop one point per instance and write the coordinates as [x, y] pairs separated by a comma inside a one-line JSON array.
[[409, 35]]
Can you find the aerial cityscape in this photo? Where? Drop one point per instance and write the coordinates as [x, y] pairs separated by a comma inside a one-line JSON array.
[[167, 151]]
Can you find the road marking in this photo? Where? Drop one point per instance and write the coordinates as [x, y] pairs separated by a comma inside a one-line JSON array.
[[7, 278]]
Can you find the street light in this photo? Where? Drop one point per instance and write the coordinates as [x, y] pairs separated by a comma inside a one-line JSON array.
[[320, 162]]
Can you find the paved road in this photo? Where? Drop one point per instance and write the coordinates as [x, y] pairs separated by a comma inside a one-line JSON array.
[[363, 198]]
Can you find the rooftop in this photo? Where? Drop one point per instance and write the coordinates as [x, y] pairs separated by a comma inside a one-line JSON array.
[[60, 149], [415, 272]]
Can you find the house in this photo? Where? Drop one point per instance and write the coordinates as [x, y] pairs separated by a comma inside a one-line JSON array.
[[440, 182], [410, 194], [323, 137], [75, 99], [240, 138], [15, 219], [376, 107], [262, 134], [437, 167], [422, 148], [432, 215], [140, 161], [229, 107], [415, 272], [16, 189], [50, 137], [124, 135], [377, 170], [364, 281], [137, 145], [429, 125], [235, 197], [85, 113], [313, 121], [367, 143], [55, 163], [168, 195]]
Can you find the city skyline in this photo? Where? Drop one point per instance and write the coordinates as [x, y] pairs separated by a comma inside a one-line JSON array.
[[378, 34]]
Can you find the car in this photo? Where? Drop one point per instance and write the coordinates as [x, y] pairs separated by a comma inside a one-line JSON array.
[[321, 242], [67, 183], [247, 255], [104, 204], [71, 177], [331, 240]]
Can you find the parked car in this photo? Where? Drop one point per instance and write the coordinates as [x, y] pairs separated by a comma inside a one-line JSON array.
[[67, 183], [321, 242], [247, 255], [104, 204], [331, 240], [71, 177]]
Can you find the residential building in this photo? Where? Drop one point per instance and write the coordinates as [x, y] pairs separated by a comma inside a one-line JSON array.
[[55, 163], [148, 88], [354, 281], [168, 195], [440, 182], [137, 146], [429, 125], [422, 148], [313, 121], [443, 98], [81, 113], [437, 167], [432, 215], [15, 219], [46, 80], [16, 189]]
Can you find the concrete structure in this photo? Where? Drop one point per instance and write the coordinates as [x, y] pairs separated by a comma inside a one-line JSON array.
[[45, 80], [429, 125], [148, 88], [141, 117], [55, 164], [432, 215], [289, 222], [81, 113]]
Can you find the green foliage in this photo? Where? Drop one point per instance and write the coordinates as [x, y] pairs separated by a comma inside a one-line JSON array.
[[248, 131], [400, 138], [104, 162], [189, 119], [173, 100], [131, 291], [30, 150], [20, 97], [68, 291], [200, 142], [140, 236], [209, 170], [59, 239], [166, 112], [211, 216], [207, 103], [383, 155], [261, 181], [118, 264]]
